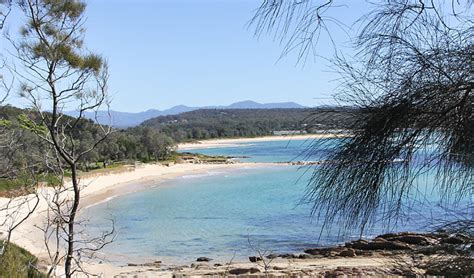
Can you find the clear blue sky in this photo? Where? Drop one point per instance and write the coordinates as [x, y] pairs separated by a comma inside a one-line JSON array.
[[200, 52]]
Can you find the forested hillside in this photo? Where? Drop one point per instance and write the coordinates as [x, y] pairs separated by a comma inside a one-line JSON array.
[[155, 139], [25, 150], [217, 123]]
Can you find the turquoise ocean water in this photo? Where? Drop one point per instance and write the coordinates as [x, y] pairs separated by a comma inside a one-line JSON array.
[[231, 213]]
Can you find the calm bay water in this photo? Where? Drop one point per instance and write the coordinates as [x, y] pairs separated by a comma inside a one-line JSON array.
[[221, 214], [271, 151]]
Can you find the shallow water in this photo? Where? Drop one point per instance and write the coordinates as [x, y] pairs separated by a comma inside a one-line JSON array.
[[271, 151], [222, 214]]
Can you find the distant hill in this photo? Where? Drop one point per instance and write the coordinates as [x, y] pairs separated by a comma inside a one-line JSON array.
[[218, 123], [127, 119]]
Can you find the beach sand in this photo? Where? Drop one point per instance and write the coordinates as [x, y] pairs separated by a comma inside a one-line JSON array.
[[95, 190], [105, 187], [216, 143]]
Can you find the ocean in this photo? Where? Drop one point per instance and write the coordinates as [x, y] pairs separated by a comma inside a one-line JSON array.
[[232, 214]]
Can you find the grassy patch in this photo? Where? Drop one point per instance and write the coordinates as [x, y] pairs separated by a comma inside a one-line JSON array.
[[10, 187], [178, 157], [115, 167], [17, 262]]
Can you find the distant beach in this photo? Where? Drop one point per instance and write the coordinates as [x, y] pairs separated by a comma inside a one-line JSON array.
[[232, 142]]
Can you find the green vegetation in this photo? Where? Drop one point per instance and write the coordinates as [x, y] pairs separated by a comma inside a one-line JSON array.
[[153, 141], [17, 262], [24, 182], [218, 123], [25, 153]]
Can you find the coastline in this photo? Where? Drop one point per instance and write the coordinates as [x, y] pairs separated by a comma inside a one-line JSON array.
[[105, 187], [233, 142], [95, 190]]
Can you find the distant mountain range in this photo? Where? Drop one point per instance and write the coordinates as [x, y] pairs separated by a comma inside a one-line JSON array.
[[127, 119]]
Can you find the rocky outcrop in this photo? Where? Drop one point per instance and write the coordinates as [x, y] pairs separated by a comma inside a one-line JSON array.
[[428, 254], [378, 244]]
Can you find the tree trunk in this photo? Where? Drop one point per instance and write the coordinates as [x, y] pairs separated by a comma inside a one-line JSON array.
[[71, 222]]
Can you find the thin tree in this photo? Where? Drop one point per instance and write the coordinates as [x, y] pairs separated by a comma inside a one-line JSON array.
[[409, 85], [15, 211], [58, 73]]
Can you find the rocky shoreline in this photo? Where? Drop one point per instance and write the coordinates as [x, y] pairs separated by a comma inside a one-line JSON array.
[[404, 254]]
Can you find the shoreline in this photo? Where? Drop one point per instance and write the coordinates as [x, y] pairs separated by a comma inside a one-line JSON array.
[[352, 259], [106, 187], [233, 142], [103, 188], [148, 178], [99, 189]]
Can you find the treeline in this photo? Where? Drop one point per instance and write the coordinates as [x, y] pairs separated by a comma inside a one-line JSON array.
[[155, 139], [23, 149], [218, 123]]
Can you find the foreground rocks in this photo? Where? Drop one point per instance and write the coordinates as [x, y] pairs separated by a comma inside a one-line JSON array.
[[388, 255]]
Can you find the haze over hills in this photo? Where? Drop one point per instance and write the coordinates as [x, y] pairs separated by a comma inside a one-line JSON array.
[[127, 119]]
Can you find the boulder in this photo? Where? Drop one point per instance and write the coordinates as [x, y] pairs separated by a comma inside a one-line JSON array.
[[324, 251], [380, 244], [272, 256], [254, 259], [203, 259], [304, 256], [455, 239], [288, 256], [348, 253], [132, 264], [241, 270], [410, 238]]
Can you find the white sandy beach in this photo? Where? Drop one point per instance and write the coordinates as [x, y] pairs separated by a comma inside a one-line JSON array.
[[215, 143], [95, 190]]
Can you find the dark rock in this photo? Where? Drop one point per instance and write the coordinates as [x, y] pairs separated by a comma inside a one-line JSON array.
[[324, 251], [455, 239], [203, 259], [304, 256], [217, 265], [288, 256], [240, 271], [272, 256], [131, 264], [254, 259], [348, 253], [360, 242], [415, 239], [380, 244], [367, 253], [410, 238], [150, 264], [338, 273]]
